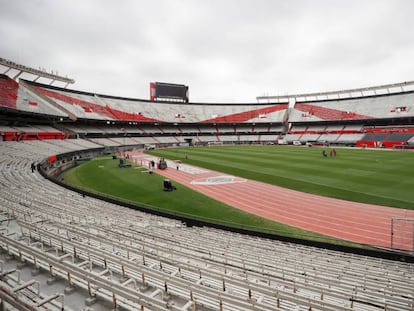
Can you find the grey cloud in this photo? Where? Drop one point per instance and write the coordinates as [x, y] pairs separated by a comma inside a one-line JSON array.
[[231, 50]]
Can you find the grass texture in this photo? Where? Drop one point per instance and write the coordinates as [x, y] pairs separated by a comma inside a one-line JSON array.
[[371, 176], [383, 177], [135, 185]]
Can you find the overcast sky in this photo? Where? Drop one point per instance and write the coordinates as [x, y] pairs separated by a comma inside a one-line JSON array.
[[224, 50]]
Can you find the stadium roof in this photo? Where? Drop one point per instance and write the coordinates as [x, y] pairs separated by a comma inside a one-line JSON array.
[[38, 73], [358, 92]]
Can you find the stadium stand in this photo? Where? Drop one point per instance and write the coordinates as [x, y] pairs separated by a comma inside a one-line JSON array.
[[8, 92], [386, 137], [104, 256], [31, 132], [65, 251], [386, 106], [339, 120], [33, 102], [231, 139], [101, 107], [350, 117], [269, 139]]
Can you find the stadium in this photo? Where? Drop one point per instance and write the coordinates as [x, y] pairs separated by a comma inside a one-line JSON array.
[[71, 248]]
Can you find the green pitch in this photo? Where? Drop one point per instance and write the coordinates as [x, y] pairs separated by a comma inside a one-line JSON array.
[[379, 177], [134, 185], [383, 177]]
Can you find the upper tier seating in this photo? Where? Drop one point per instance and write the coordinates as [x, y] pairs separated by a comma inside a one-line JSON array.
[[8, 92], [364, 108], [18, 97], [91, 106], [31, 101]]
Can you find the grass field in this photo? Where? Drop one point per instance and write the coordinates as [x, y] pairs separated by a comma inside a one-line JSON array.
[[382, 177], [135, 185], [372, 176]]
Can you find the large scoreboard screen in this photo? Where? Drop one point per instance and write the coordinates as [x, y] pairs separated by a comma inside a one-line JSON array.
[[168, 91]]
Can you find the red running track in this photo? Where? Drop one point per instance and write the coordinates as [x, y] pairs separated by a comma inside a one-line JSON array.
[[358, 222]]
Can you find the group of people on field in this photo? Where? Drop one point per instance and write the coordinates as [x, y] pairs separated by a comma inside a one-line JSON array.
[[332, 153]]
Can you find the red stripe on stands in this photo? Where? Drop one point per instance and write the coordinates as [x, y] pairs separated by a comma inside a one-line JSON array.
[[89, 107], [8, 92], [329, 113], [246, 115]]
